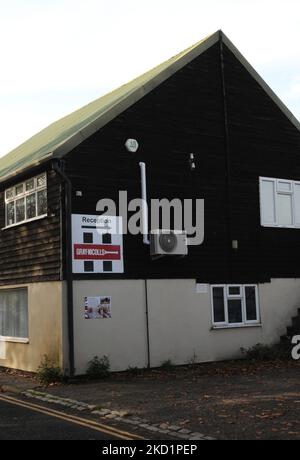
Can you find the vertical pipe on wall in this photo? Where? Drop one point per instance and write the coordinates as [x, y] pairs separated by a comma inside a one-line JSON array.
[[145, 223], [227, 154], [147, 325], [69, 262]]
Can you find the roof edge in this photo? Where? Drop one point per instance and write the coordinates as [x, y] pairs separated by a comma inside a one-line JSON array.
[[124, 103], [134, 95], [23, 170], [260, 80]]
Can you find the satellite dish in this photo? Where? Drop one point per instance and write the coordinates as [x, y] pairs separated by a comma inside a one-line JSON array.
[[168, 241], [132, 145]]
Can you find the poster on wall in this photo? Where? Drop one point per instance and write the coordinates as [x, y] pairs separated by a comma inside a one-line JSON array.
[[97, 307], [97, 244]]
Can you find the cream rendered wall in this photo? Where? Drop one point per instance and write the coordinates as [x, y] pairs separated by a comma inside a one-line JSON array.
[[180, 323], [123, 337], [45, 311], [181, 326]]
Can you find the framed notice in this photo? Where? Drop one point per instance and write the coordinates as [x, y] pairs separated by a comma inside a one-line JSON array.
[[97, 307]]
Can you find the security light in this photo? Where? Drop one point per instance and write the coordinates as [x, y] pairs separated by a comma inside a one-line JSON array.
[[132, 145]]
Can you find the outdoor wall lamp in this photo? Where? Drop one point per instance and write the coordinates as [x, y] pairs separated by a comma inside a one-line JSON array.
[[132, 145], [192, 162]]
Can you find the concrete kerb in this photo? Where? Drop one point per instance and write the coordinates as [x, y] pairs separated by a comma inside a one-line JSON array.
[[10, 389], [122, 415]]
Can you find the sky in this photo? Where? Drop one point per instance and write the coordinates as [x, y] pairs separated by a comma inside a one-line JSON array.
[[57, 55]]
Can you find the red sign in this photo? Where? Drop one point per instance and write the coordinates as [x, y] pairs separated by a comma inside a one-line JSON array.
[[97, 252]]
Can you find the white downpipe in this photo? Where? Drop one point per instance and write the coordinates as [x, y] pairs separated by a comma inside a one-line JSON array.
[[145, 224]]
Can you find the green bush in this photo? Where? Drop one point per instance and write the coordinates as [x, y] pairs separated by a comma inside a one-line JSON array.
[[48, 372], [98, 368], [133, 370], [261, 352], [167, 365]]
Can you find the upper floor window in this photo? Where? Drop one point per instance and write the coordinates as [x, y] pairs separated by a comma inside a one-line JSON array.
[[279, 203], [26, 201]]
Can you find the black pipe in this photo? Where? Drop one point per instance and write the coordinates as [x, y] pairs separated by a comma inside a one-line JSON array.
[[147, 325], [69, 262], [227, 155]]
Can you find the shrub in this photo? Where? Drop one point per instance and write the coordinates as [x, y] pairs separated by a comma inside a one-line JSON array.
[[167, 365], [133, 370], [261, 352], [48, 372], [98, 368]]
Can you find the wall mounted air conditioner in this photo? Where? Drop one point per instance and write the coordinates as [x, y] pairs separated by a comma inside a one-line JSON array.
[[168, 243]]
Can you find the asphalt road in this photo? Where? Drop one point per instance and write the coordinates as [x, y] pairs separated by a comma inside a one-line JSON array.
[[23, 423]]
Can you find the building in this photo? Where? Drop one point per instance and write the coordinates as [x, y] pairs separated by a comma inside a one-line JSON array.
[[240, 287]]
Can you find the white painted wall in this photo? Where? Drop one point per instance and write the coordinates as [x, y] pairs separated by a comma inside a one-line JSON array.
[[181, 326], [123, 337], [180, 323]]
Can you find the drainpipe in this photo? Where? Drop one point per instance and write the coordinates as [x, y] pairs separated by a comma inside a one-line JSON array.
[[227, 154], [69, 261], [147, 326], [146, 241]]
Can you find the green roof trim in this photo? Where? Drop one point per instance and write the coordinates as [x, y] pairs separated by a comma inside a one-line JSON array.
[[61, 137]]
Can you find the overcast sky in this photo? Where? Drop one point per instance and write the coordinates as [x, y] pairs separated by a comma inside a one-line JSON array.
[[57, 55]]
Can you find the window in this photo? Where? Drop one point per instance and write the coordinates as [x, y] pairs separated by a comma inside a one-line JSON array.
[[280, 203], [14, 314], [235, 305], [26, 201]]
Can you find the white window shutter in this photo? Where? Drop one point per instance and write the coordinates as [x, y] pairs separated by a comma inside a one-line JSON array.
[[297, 203], [267, 198]]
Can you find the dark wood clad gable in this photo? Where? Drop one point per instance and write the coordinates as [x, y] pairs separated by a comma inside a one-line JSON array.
[[263, 142], [31, 252], [183, 115]]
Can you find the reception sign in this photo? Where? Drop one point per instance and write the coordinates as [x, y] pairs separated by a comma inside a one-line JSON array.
[[97, 244]]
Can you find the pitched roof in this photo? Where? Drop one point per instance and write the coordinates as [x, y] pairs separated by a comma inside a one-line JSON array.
[[61, 137]]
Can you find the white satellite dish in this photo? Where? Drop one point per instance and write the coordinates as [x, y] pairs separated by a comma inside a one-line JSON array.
[[132, 145]]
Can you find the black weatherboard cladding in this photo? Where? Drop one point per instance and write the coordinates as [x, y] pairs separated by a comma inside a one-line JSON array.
[[31, 252], [186, 115], [183, 115], [263, 142]]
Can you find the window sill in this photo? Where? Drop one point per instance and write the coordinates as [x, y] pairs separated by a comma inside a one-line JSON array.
[[239, 326], [293, 227], [14, 340], [24, 222]]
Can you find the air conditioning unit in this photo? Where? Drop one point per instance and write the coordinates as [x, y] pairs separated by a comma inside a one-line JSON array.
[[168, 243]]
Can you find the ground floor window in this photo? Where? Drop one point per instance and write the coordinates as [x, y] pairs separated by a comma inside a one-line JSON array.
[[14, 313], [235, 305]]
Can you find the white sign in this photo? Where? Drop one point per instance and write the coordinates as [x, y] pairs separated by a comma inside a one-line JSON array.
[[202, 288], [97, 244]]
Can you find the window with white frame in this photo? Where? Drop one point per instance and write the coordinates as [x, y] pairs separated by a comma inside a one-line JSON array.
[[235, 305], [26, 201], [14, 313], [279, 202]]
